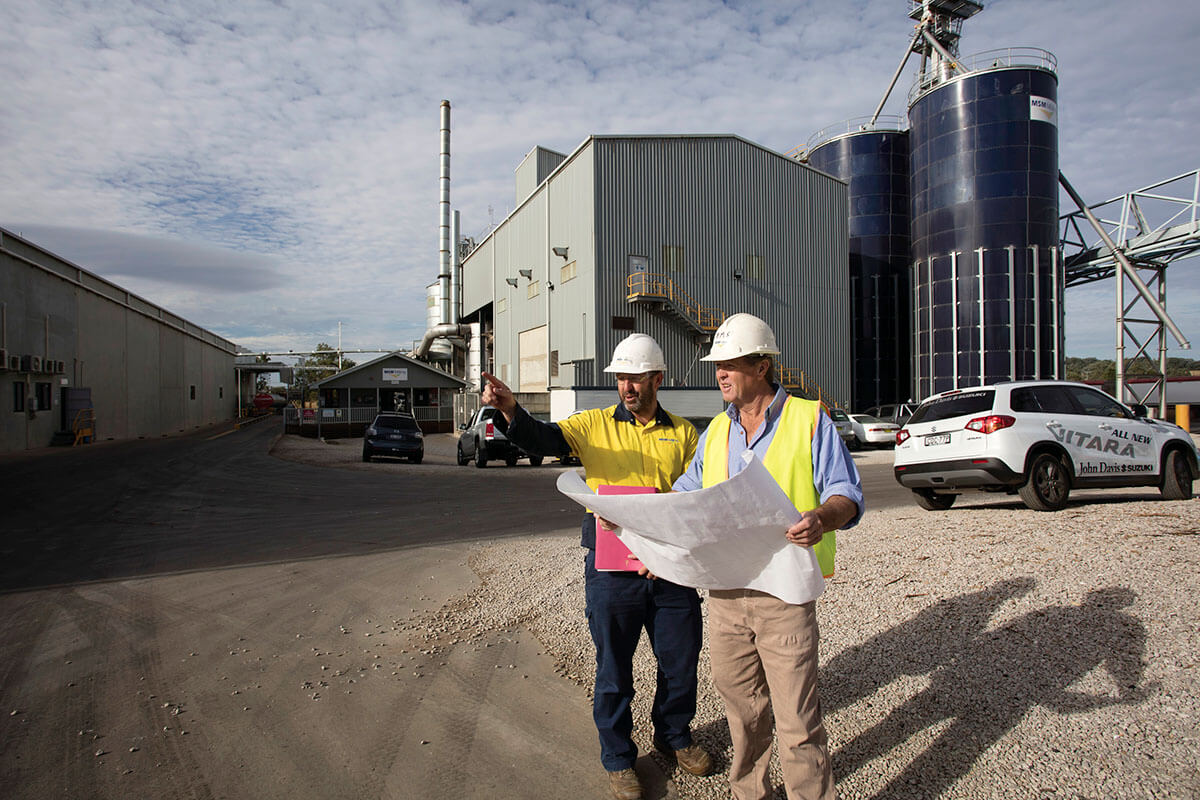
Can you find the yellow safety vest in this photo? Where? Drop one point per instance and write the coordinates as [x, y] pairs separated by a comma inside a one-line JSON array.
[[788, 459]]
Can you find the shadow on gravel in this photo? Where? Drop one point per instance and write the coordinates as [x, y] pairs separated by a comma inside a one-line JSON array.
[[982, 682]]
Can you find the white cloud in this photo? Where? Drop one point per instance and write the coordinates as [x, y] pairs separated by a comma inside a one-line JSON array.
[[307, 137]]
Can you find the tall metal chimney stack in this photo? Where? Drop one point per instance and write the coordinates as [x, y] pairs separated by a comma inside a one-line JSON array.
[[444, 216]]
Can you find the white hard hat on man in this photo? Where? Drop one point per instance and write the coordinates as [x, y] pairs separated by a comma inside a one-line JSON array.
[[742, 335], [636, 354]]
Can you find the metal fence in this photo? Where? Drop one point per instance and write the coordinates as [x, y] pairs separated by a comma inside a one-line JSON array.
[[352, 421]]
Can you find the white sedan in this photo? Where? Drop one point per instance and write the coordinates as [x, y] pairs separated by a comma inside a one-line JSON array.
[[872, 431]]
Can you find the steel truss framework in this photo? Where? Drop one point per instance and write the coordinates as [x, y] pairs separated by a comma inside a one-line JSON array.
[[1150, 228]]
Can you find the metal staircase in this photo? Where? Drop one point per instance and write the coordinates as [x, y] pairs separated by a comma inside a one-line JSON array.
[[661, 295]]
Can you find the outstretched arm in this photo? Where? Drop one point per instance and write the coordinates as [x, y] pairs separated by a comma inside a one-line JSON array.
[[531, 435]]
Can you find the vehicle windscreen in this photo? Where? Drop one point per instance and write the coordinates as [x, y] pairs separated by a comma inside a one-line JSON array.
[[955, 405], [837, 415], [397, 423]]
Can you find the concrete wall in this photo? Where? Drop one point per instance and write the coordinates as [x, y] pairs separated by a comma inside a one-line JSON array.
[[141, 362]]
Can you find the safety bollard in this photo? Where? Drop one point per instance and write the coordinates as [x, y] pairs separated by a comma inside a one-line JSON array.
[[1183, 416]]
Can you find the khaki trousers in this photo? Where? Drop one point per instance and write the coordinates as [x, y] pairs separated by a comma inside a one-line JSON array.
[[764, 658]]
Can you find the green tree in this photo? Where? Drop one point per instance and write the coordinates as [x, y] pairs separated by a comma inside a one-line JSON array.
[[317, 367], [260, 382]]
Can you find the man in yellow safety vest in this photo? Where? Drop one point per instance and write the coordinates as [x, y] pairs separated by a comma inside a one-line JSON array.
[[764, 651]]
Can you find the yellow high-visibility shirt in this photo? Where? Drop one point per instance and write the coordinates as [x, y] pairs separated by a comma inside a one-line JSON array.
[[616, 449]]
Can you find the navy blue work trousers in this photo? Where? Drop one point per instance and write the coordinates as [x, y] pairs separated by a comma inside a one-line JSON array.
[[619, 606]]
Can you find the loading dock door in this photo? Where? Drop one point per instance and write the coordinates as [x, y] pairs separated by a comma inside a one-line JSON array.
[[532, 346]]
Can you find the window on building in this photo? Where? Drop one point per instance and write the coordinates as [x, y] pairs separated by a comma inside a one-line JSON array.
[[220, 392], [566, 272], [501, 305], [19, 395], [756, 267], [553, 363], [622, 323], [193, 391], [534, 288], [672, 258], [362, 398], [42, 396]]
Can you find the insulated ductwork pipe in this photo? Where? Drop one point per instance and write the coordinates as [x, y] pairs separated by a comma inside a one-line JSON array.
[[441, 332], [455, 271], [444, 214]]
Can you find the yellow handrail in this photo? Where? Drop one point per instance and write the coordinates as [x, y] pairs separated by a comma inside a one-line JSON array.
[[84, 425], [653, 284]]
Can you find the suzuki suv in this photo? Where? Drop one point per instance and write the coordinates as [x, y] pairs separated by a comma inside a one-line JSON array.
[[1038, 439]]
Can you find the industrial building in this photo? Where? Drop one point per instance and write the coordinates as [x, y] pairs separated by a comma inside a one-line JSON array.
[[665, 235], [82, 356]]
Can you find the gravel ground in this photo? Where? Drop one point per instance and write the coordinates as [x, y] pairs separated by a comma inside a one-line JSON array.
[[987, 651]]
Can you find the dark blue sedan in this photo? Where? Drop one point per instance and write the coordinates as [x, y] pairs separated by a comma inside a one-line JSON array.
[[396, 435]]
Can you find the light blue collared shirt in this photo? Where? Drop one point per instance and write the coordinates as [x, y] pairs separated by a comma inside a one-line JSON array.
[[834, 472]]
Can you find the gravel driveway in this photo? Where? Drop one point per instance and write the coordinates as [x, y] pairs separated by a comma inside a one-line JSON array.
[[987, 651]]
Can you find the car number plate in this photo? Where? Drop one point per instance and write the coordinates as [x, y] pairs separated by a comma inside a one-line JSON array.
[[937, 438]]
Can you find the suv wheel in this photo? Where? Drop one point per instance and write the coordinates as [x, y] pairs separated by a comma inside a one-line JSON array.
[[535, 461], [1048, 484], [930, 500], [462, 458], [510, 460], [1177, 477], [481, 455]]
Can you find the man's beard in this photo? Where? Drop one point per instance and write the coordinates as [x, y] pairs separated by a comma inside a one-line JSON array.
[[639, 403]]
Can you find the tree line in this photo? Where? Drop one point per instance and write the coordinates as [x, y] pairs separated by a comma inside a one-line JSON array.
[[1100, 369]]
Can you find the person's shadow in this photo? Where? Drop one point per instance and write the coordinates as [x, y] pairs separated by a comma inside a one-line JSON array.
[[983, 681]]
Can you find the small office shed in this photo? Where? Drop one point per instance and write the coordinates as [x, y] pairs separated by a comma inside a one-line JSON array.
[[349, 400]]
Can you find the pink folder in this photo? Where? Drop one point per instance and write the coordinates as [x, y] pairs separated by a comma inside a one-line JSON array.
[[611, 553]]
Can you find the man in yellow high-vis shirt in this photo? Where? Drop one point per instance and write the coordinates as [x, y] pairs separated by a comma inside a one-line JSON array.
[[763, 650], [636, 442]]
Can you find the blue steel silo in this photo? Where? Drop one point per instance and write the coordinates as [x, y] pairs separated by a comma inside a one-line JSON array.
[[984, 184], [872, 159]]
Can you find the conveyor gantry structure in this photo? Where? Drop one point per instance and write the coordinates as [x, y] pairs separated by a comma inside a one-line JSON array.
[[1150, 229]]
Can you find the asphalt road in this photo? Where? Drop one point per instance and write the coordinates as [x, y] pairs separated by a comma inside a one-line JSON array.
[[207, 501], [217, 499]]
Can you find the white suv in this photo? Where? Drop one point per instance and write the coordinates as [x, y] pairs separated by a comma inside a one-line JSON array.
[[1038, 439]]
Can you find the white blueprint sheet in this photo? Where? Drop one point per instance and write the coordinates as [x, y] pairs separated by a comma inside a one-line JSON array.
[[728, 536]]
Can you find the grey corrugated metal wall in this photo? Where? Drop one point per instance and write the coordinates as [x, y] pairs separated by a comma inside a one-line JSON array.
[[722, 198]]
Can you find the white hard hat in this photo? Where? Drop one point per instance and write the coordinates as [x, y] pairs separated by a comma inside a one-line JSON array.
[[742, 335], [635, 354]]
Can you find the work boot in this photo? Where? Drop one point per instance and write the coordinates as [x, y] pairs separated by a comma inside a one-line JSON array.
[[625, 785], [693, 758]]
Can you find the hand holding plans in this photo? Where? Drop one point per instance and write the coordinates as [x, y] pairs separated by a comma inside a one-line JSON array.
[[728, 536]]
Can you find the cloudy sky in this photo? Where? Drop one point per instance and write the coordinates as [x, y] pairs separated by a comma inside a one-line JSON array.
[[268, 169]]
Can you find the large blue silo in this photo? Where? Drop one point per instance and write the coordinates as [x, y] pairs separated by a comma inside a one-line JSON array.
[[985, 264], [873, 161]]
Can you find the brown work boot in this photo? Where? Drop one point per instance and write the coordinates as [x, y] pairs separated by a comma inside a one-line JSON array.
[[693, 758], [625, 785]]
